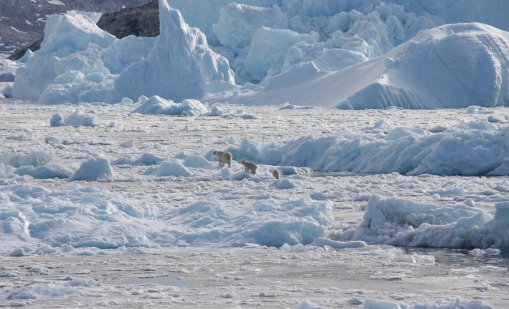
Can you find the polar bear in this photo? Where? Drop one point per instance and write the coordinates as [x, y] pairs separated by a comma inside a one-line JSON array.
[[249, 166], [276, 173], [224, 157]]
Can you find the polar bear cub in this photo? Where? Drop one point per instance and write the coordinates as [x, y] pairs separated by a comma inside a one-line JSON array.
[[249, 166], [224, 157], [276, 173]]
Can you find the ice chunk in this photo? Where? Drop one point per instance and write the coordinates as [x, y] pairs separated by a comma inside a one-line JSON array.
[[268, 50], [381, 304], [80, 118], [197, 161], [148, 159], [53, 289], [454, 303], [125, 52], [402, 150], [57, 120], [325, 59], [157, 105], [71, 43], [45, 172], [7, 77], [306, 304], [432, 71], [35, 158], [97, 168], [284, 184]]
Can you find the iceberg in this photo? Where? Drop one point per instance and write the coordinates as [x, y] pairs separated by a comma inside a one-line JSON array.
[[68, 67], [79, 62], [178, 66]]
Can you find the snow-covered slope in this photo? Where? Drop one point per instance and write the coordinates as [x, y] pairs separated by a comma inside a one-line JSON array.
[[450, 66]]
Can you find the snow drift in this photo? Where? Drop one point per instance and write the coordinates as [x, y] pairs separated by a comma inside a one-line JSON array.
[[449, 66]]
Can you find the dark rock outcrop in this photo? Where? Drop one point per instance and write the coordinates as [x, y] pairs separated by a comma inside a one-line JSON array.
[[22, 21], [141, 21]]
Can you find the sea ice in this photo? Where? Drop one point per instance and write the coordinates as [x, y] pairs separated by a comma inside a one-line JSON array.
[[89, 217]]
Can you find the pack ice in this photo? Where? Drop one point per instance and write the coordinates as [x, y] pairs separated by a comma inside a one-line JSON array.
[[406, 223], [470, 149], [34, 218]]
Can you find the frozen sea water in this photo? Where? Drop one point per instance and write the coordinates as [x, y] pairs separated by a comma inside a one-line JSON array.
[[252, 275]]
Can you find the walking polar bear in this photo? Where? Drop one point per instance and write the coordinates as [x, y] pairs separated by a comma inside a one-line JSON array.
[[249, 166], [276, 174], [224, 157]]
